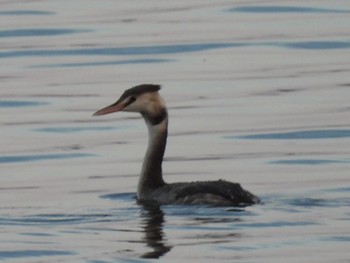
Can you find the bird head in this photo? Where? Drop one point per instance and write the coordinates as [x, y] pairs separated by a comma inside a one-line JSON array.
[[144, 99]]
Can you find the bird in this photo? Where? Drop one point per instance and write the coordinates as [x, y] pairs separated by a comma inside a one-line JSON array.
[[146, 100]]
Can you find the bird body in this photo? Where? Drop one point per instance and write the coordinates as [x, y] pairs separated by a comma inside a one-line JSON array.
[[215, 193], [146, 100]]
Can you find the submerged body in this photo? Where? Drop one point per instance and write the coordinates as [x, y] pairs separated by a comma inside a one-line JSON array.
[[146, 100], [215, 193]]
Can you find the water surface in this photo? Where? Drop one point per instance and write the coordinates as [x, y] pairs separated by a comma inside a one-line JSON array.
[[68, 181]]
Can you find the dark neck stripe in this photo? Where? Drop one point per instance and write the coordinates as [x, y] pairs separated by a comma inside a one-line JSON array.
[[155, 120]]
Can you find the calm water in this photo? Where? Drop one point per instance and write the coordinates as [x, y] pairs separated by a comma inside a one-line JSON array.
[[257, 94]]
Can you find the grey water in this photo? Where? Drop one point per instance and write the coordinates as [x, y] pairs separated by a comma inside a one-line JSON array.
[[257, 94]]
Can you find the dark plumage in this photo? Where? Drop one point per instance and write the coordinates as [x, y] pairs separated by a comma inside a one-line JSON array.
[[146, 100], [216, 193]]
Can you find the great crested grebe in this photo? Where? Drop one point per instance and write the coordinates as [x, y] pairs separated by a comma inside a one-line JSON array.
[[146, 100]]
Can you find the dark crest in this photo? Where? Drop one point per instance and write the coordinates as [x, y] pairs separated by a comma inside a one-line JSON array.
[[137, 90]]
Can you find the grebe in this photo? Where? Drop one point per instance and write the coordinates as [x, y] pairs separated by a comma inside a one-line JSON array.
[[146, 100]]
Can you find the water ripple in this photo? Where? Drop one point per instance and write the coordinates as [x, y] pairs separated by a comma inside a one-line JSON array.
[[274, 224], [25, 13], [75, 129], [39, 32], [20, 103], [164, 49], [42, 157], [141, 50], [284, 9], [337, 239], [4, 255], [339, 190], [315, 45], [106, 63], [319, 202], [53, 219], [308, 161], [120, 196], [308, 134]]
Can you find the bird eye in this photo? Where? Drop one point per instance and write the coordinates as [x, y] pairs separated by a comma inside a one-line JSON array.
[[132, 99]]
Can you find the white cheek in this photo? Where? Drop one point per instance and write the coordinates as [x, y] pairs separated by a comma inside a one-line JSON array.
[[136, 106], [132, 107], [142, 104]]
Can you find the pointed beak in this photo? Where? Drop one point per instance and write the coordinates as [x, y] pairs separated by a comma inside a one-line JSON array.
[[118, 106]]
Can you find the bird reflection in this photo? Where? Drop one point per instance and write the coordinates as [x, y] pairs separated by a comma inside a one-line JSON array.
[[152, 220]]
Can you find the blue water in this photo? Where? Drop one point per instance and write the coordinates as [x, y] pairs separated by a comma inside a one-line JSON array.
[[39, 32], [28, 254], [308, 161], [285, 9], [121, 51], [77, 129], [297, 135], [165, 49], [300, 135], [108, 63], [41, 157], [153, 225], [20, 103], [86, 210], [316, 45]]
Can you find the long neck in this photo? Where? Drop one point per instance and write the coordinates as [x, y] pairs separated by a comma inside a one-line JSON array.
[[151, 174]]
